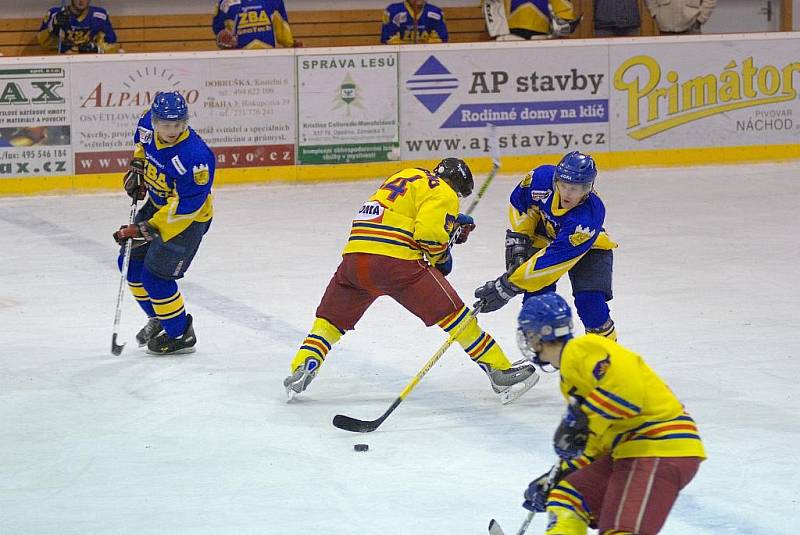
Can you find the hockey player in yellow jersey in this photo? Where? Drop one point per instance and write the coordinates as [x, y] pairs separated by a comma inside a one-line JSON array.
[[399, 246], [627, 445]]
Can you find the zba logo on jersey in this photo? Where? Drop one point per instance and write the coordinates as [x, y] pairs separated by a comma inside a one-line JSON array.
[[370, 211], [581, 235], [201, 174]]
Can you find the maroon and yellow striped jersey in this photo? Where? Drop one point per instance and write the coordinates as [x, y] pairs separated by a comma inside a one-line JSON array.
[[410, 217]]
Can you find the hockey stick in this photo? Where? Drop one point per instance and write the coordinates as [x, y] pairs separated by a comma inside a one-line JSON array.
[[494, 527], [61, 31], [116, 349], [367, 426], [494, 151]]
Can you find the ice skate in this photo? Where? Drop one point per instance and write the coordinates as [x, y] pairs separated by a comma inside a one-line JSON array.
[[510, 384], [300, 379], [164, 344], [151, 329]]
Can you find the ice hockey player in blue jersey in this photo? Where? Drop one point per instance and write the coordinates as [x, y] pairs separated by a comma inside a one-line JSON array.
[[173, 169], [78, 27], [413, 21], [252, 24], [557, 227]]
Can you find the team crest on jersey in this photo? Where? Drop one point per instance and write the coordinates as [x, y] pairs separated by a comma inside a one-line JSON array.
[[540, 194], [145, 135], [449, 224], [201, 174], [526, 182], [370, 211], [581, 235], [601, 368]]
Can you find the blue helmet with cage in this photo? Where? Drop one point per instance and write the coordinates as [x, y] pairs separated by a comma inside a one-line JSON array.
[[576, 168], [170, 106], [543, 318]]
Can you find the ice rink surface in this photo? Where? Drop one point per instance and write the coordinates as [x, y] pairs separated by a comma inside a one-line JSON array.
[[705, 289]]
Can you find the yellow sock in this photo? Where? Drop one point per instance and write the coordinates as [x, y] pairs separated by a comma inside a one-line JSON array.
[[319, 341], [478, 344]]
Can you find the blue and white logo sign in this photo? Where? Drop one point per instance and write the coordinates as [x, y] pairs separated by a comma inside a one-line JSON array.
[[432, 84]]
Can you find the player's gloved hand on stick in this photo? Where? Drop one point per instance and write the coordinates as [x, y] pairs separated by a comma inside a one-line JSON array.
[[519, 248], [140, 233], [495, 294], [536, 493], [464, 225], [227, 39], [572, 433], [445, 265], [133, 181], [88, 48], [60, 21]]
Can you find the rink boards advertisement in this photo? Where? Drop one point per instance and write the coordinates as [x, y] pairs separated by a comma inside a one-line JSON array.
[[347, 108], [541, 103], [325, 114], [242, 107]]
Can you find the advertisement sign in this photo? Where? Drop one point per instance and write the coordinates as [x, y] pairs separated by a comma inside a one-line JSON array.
[[242, 107], [705, 94], [34, 121], [347, 108], [543, 100]]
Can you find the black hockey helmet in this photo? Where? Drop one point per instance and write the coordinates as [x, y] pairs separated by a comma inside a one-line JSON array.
[[457, 175]]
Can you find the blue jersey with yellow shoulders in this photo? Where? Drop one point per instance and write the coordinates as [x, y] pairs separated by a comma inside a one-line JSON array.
[[401, 24], [410, 216], [631, 410], [534, 15], [179, 177], [93, 25], [562, 235], [256, 23]]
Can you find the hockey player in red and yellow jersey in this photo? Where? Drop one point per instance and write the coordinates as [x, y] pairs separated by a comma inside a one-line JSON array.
[[627, 445], [399, 246]]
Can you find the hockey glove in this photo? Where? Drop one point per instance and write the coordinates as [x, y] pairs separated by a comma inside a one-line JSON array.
[[495, 294], [464, 225], [519, 248], [88, 48], [60, 21], [227, 39], [572, 433], [537, 491], [140, 233], [134, 179], [445, 265]]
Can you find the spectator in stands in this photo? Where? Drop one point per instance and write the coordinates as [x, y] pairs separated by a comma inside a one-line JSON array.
[[78, 27], [617, 18], [413, 21], [252, 24], [674, 17], [540, 19]]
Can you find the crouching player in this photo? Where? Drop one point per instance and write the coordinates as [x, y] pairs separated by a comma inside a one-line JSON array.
[[627, 445], [174, 169], [399, 246]]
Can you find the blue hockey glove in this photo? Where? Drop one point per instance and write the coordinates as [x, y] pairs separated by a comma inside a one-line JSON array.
[[536, 493], [495, 294], [572, 433], [445, 265], [464, 225]]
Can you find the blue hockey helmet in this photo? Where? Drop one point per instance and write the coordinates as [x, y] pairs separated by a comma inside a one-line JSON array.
[[457, 174], [543, 318], [170, 106], [576, 168]]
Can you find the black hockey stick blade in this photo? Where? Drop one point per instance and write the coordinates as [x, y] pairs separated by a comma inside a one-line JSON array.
[[494, 528], [116, 349], [363, 426]]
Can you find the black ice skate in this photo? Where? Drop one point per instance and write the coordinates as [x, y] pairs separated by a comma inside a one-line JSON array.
[[148, 332], [164, 344], [510, 384], [302, 376]]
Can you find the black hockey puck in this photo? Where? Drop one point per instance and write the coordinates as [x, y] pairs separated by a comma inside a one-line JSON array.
[[361, 447]]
